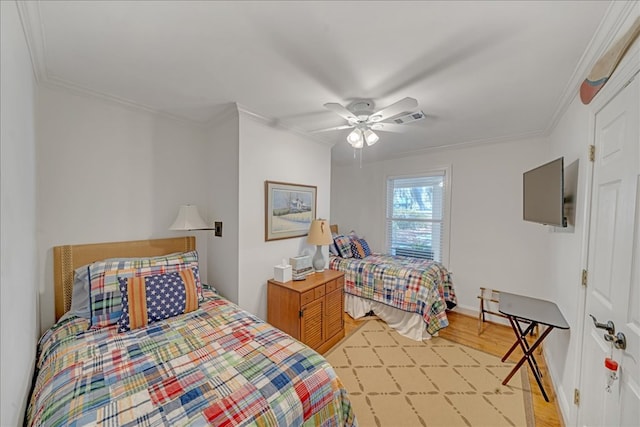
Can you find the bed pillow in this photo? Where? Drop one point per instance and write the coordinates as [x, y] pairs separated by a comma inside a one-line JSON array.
[[333, 250], [80, 293], [105, 298], [343, 243], [365, 246], [151, 298], [80, 305], [360, 248]]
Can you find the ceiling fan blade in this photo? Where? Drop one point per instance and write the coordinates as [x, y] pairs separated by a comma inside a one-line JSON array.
[[405, 104], [389, 127], [340, 110], [333, 128]]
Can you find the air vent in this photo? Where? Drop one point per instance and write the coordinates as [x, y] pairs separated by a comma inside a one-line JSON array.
[[408, 118]]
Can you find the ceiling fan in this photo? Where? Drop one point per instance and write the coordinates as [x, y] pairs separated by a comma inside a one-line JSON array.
[[364, 120]]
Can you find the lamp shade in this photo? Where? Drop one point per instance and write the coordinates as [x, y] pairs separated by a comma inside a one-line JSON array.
[[189, 219], [319, 233], [371, 137]]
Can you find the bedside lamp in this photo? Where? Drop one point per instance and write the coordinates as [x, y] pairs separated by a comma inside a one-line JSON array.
[[189, 219], [319, 235]]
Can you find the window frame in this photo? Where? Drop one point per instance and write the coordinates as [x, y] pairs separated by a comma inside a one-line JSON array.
[[446, 214]]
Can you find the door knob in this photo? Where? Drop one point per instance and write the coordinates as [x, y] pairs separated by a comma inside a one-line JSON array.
[[609, 326], [619, 340]]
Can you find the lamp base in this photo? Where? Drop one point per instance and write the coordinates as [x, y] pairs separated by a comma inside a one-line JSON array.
[[318, 260]]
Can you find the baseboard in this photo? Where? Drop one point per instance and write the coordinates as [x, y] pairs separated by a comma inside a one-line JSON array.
[[561, 394]]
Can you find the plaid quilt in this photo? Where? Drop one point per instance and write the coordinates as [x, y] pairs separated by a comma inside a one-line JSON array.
[[218, 365], [410, 284]]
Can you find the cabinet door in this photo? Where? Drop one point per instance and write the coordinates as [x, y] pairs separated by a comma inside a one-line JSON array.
[[312, 328], [334, 313]]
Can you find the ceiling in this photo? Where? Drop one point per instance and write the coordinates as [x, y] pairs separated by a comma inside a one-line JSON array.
[[480, 70]]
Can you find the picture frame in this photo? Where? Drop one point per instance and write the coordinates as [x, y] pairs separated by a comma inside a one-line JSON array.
[[289, 209]]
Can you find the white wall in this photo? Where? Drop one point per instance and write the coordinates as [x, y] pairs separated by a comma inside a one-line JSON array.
[[110, 173], [490, 243], [221, 189], [18, 275], [571, 138], [270, 153]]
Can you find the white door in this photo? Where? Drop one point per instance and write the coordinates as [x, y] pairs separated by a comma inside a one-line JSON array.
[[613, 290]]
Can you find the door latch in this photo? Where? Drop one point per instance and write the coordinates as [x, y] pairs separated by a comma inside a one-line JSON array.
[[618, 340], [609, 326]]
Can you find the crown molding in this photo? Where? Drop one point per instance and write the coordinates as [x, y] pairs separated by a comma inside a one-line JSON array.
[[29, 12], [58, 83], [32, 26], [275, 123], [515, 138], [615, 16]]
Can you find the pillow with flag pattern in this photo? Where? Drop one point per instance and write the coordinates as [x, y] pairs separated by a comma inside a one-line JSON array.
[[105, 299], [151, 298]]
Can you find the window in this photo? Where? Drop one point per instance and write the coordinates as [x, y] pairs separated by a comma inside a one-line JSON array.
[[416, 212]]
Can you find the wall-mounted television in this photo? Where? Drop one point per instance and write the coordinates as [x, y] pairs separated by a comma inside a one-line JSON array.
[[543, 194]]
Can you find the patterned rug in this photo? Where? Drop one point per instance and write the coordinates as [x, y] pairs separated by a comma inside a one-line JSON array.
[[394, 381]]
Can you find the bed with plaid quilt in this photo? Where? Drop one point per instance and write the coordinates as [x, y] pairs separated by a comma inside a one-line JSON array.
[[409, 284], [218, 365]]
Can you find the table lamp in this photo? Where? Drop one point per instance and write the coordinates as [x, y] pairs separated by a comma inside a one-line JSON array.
[[319, 235]]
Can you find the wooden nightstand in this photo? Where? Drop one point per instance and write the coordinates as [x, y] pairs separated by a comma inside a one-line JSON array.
[[309, 310]]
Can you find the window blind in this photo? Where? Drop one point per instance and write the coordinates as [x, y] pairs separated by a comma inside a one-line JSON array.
[[415, 215]]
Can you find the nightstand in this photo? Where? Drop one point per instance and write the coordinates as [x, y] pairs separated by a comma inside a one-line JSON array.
[[309, 310]]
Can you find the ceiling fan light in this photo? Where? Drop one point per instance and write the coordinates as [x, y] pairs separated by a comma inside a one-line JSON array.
[[371, 137], [354, 137], [358, 144]]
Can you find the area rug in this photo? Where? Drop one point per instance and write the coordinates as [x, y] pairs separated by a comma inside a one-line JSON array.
[[394, 381]]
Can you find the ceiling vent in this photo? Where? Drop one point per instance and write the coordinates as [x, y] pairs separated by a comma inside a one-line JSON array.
[[408, 118]]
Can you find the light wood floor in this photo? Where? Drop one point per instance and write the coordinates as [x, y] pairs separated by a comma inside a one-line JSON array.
[[495, 339]]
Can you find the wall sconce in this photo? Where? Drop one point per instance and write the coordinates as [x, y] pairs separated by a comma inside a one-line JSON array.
[[189, 219]]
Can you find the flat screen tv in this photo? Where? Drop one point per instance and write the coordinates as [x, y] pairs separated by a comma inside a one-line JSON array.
[[543, 194]]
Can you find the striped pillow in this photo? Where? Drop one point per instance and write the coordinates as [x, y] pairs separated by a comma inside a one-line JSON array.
[[365, 247], [151, 298], [343, 243], [357, 250], [105, 298]]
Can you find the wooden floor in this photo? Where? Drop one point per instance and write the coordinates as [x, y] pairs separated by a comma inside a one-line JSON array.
[[495, 339]]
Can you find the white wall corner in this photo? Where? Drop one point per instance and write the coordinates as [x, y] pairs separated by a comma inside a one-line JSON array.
[[567, 408], [29, 12]]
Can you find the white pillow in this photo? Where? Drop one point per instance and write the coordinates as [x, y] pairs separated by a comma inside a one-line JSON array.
[[80, 294]]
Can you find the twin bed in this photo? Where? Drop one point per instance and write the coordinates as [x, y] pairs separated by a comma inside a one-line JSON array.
[[411, 295], [128, 362], [214, 364]]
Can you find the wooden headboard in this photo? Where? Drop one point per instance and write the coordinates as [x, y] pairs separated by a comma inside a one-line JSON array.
[[69, 257]]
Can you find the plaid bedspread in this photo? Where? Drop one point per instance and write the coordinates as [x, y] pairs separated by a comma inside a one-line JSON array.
[[409, 284], [218, 365]]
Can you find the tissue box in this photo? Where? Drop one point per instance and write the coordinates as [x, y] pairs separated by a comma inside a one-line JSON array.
[[301, 266], [282, 273]]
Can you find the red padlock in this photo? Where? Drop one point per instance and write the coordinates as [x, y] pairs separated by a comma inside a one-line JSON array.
[[610, 364]]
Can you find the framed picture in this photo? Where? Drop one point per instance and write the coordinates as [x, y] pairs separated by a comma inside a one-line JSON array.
[[289, 210]]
